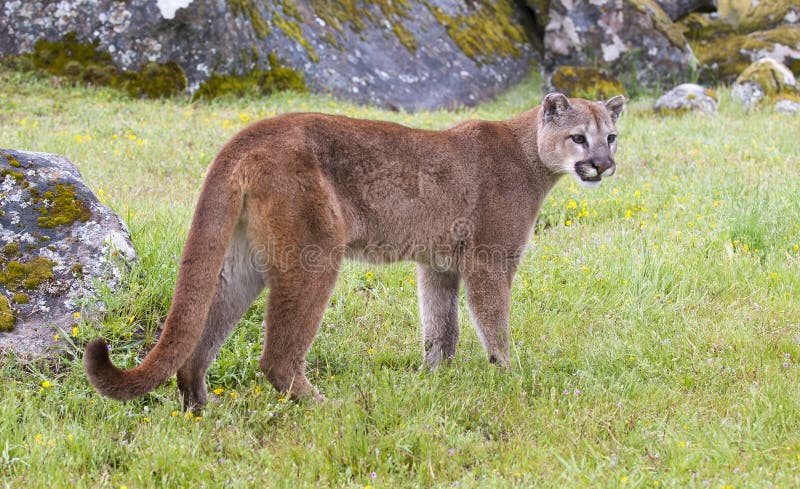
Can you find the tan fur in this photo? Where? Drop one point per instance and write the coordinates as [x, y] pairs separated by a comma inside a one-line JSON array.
[[288, 198]]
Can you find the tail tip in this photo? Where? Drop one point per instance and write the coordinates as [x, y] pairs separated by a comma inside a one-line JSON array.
[[95, 357]]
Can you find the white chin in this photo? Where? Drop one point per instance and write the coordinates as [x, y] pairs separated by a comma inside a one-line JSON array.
[[589, 184], [585, 183]]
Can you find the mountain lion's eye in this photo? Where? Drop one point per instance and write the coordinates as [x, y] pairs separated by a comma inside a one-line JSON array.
[[612, 138], [578, 138]]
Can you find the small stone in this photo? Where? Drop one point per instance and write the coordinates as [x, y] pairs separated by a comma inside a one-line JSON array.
[[787, 107], [687, 97]]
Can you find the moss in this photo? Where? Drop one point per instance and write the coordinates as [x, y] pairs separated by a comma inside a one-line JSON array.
[[156, 80], [487, 33], [16, 275], [293, 30], [330, 38], [15, 175], [11, 250], [661, 21], [583, 82], [77, 270], [255, 83], [248, 8], [20, 298], [68, 54], [86, 63], [405, 37], [66, 208], [340, 13], [7, 316]]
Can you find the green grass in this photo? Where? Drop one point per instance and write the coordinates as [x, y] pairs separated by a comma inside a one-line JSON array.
[[655, 323]]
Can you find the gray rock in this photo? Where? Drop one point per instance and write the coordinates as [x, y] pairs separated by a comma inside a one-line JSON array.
[[633, 39], [678, 9], [687, 97], [57, 244], [787, 107], [412, 55]]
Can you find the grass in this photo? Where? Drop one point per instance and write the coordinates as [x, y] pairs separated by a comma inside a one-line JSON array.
[[654, 320]]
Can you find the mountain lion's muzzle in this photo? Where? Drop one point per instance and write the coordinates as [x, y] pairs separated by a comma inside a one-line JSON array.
[[594, 169]]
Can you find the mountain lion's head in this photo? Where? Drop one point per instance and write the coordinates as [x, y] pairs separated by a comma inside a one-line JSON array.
[[579, 137]]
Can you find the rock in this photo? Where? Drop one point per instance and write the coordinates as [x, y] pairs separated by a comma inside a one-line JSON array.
[[583, 82], [410, 54], [766, 78], [678, 9], [635, 40], [57, 241], [687, 97], [787, 107]]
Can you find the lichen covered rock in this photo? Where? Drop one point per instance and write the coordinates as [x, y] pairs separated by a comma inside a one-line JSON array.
[[57, 242], [635, 40], [687, 97], [583, 82], [766, 78], [410, 54]]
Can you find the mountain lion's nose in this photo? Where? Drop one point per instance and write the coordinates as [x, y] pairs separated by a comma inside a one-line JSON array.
[[604, 167]]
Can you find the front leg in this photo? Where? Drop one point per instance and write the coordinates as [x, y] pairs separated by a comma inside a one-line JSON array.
[[489, 298], [438, 308]]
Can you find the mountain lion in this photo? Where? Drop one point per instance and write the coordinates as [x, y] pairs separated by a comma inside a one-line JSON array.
[[288, 198]]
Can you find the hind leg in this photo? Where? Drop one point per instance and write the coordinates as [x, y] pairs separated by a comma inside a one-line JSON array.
[[297, 300], [438, 308], [239, 285]]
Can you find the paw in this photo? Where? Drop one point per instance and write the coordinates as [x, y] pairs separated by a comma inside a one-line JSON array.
[[500, 360]]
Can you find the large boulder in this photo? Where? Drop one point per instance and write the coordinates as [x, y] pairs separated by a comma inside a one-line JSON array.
[[410, 54], [633, 39], [58, 243]]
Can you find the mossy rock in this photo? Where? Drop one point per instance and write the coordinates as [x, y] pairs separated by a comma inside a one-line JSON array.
[[254, 84], [584, 82], [773, 78], [766, 79]]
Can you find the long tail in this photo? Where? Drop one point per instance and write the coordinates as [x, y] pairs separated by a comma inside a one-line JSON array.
[[215, 217]]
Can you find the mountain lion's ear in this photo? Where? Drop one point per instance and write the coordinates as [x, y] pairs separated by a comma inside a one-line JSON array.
[[553, 105], [615, 106]]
